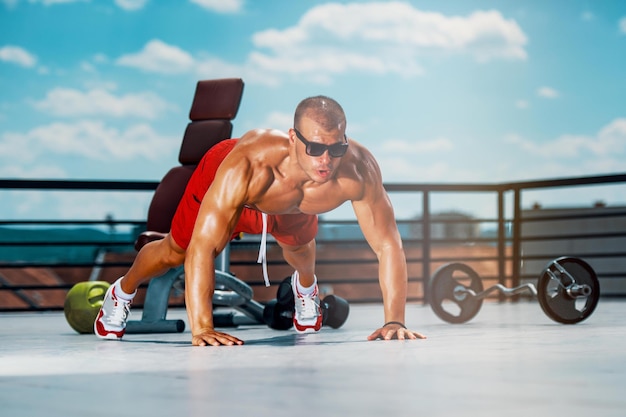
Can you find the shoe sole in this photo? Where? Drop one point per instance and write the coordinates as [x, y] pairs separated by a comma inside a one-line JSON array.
[[109, 336], [106, 336], [307, 330]]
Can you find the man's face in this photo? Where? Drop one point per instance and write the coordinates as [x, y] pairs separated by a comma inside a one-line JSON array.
[[325, 149]]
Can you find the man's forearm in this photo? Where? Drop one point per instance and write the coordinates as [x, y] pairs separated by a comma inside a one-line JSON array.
[[393, 282], [199, 289]]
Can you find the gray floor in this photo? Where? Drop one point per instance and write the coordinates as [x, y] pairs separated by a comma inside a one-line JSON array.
[[511, 360]]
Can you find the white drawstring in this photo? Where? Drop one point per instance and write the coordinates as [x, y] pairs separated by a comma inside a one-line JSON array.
[[263, 251]]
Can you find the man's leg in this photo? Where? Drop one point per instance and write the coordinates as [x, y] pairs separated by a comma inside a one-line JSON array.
[[308, 313], [302, 259], [154, 259]]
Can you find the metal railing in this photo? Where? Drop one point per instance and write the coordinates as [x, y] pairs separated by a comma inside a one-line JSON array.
[[423, 246]]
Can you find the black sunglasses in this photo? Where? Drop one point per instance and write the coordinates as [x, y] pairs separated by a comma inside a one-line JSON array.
[[336, 150]]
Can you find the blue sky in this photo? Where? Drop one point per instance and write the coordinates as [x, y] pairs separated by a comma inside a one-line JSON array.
[[441, 91]]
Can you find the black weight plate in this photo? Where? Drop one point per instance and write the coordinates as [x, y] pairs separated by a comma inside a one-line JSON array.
[[447, 306], [336, 309], [552, 294], [276, 316]]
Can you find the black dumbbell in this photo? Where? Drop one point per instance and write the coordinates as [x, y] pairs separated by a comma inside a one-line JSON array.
[[278, 313], [335, 311], [277, 316]]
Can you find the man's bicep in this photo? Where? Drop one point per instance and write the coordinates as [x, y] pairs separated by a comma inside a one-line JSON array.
[[222, 205], [214, 226], [376, 219], [373, 209]]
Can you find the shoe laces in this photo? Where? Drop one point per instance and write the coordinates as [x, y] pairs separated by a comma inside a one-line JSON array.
[[310, 308], [121, 311]]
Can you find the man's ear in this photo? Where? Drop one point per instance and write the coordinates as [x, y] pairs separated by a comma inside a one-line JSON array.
[[292, 136]]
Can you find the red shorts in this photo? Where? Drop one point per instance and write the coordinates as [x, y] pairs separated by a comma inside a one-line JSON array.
[[290, 229]]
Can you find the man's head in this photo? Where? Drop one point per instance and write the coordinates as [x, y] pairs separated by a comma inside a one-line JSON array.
[[319, 137], [323, 110]]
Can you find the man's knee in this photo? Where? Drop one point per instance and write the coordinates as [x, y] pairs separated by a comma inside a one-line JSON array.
[[170, 253], [308, 246]]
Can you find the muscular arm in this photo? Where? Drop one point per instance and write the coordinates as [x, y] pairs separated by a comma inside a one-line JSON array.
[[377, 221], [376, 218], [219, 212]]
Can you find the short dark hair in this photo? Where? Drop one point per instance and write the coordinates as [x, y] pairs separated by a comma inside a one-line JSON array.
[[324, 110]]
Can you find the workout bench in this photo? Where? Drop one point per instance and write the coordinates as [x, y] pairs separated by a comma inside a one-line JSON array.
[[215, 104]]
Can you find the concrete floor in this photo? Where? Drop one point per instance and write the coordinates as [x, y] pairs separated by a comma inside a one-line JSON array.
[[511, 360]]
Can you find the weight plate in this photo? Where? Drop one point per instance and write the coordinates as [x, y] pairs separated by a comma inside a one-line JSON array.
[[552, 290], [448, 298]]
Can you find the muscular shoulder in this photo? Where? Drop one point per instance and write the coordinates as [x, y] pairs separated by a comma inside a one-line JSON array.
[[360, 166], [362, 163], [256, 156], [261, 144], [263, 138]]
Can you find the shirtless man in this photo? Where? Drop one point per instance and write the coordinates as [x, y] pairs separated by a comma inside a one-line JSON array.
[[283, 181]]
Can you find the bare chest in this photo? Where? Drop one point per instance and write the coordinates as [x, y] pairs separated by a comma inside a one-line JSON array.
[[282, 198]]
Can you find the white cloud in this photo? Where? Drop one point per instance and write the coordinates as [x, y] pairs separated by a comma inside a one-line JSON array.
[[404, 169], [17, 55], [131, 5], [100, 102], [566, 146], [100, 58], [157, 56], [547, 92], [76, 206], [210, 67], [162, 58], [220, 6], [622, 25], [123, 4], [389, 37], [278, 120], [398, 160], [123, 205], [90, 139], [612, 138], [609, 141], [53, 2], [9, 170], [376, 38], [87, 67], [404, 147], [522, 104], [587, 16]]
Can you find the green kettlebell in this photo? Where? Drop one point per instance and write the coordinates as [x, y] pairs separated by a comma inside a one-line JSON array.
[[82, 304]]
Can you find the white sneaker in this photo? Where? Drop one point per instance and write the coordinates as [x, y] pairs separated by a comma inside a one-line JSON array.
[[307, 315], [111, 320]]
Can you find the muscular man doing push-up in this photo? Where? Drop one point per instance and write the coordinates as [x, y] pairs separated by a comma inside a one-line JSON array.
[[275, 182]]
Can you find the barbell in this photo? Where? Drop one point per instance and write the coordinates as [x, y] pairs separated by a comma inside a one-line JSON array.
[[568, 291]]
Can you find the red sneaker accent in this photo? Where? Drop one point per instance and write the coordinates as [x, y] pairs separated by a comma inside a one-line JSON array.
[[104, 333], [111, 320], [310, 328], [307, 315]]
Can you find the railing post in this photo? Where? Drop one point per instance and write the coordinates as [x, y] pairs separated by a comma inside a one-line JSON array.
[[517, 246], [501, 241], [426, 245]]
